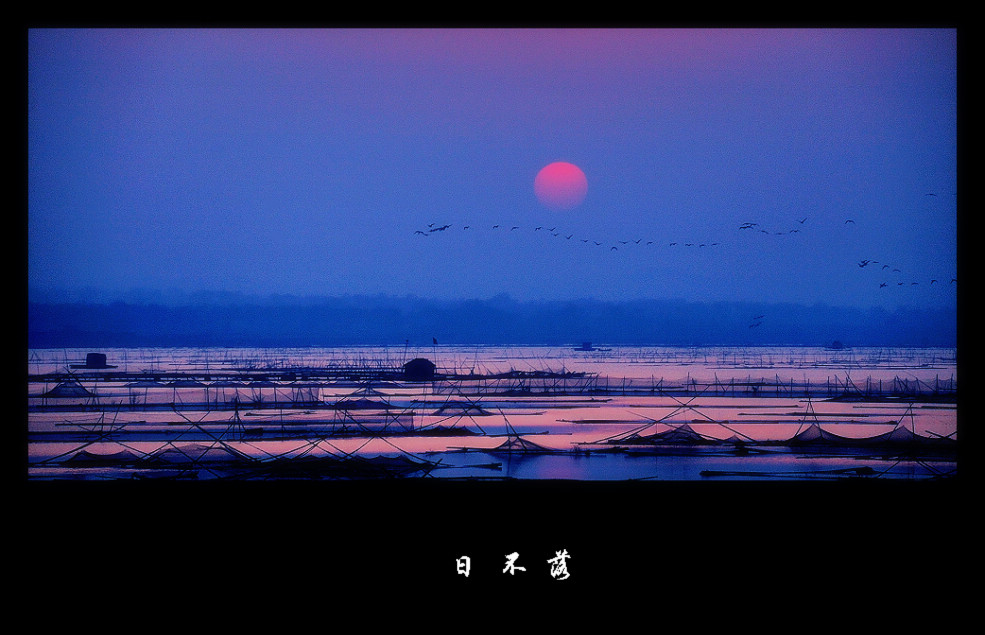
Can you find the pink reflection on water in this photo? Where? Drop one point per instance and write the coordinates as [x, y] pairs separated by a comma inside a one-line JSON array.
[[568, 422]]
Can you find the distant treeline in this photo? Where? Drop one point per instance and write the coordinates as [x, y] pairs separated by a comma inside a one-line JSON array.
[[375, 320]]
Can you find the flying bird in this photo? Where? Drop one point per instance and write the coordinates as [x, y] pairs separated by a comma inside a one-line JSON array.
[[849, 221]]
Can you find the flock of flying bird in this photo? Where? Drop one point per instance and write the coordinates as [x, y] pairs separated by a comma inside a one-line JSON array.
[[433, 227], [884, 282]]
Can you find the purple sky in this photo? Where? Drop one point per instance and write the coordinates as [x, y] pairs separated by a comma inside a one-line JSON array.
[[303, 162]]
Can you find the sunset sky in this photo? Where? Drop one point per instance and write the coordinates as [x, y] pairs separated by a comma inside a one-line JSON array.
[[318, 162]]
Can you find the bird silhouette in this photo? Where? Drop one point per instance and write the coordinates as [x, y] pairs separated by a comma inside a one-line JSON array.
[[882, 284], [849, 221], [801, 221]]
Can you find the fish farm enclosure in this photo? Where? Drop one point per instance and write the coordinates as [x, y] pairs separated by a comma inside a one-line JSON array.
[[478, 413]]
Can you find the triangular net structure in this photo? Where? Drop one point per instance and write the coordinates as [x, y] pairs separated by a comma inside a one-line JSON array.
[[814, 434], [519, 444], [679, 435], [903, 436], [68, 389], [199, 454], [85, 458]]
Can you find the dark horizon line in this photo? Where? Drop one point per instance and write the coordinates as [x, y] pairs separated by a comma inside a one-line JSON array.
[[383, 320], [183, 298]]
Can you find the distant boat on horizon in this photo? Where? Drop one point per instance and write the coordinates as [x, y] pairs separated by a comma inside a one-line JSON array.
[[587, 346]]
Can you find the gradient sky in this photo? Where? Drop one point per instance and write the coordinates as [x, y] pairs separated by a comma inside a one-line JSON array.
[[303, 162]]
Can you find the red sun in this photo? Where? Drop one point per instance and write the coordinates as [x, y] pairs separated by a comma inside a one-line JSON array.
[[561, 185]]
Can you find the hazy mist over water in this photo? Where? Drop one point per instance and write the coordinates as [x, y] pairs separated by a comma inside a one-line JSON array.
[[215, 320]]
